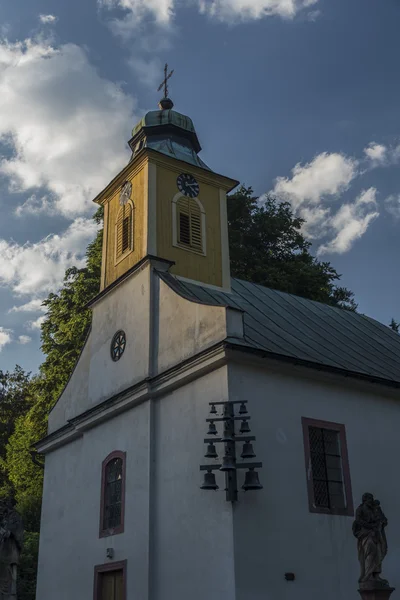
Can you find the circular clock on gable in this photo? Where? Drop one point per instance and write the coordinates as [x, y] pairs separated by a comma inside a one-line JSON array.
[[187, 185], [126, 192]]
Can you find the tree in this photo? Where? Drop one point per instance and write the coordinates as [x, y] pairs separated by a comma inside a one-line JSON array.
[[267, 247], [395, 325]]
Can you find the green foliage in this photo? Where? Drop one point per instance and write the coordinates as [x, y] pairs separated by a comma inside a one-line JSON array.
[[395, 325], [267, 247], [26, 584]]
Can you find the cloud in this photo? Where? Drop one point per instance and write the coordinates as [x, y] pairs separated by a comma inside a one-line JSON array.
[[311, 190], [37, 268], [47, 19], [162, 12], [326, 175], [34, 305], [376, 153], [351, 222], [37, 324], [5, 337], [392, 205], [64, 126], [24, 339], [148, 72]]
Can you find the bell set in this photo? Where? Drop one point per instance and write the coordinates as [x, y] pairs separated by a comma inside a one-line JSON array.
[[212, 430], [248, 451], [211, 451], [245, 428], [209, 482], [251, 481]]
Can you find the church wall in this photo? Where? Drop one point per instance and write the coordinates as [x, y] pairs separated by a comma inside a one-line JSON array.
[[193, 555], [127, 307], [207, 269], [186, 328], [70, 545], [74, 394], [274, 531]]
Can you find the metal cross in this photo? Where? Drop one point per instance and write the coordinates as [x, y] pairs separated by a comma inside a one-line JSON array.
[[164, 84]]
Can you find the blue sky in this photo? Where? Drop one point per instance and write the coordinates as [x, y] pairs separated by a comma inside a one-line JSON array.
[[297, 97]]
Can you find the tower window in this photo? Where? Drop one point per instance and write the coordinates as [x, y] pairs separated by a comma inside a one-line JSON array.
[[125, 230], [189, 224], [112, 494]]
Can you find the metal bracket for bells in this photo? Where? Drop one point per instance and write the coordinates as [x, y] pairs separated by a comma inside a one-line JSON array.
[[229, 465]]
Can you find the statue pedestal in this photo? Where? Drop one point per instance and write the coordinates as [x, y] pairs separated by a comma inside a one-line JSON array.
[[376, 593]]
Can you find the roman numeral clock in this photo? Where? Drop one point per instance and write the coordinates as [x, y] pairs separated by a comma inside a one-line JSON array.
[[188, 185]]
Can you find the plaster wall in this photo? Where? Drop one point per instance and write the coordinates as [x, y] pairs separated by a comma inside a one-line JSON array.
[[274, 532], [70, 546], [96, 377], [185, 328], [193, 537]]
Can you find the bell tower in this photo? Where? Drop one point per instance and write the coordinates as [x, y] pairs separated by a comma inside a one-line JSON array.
[[167, 203]]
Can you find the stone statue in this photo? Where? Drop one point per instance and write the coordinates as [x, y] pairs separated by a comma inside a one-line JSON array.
[[369, 529], [11, 536]]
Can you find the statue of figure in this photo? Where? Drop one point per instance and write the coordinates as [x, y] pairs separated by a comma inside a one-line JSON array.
[[11, 536], [369, 529]]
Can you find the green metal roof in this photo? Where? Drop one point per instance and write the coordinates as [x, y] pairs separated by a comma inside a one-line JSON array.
[[156, 118], [291, 327]]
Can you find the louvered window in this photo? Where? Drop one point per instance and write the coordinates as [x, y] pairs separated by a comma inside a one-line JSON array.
[[328, 474], [125, 230], [190, 234]]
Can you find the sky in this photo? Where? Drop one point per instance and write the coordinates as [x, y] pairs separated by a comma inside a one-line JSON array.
[[299, 98]]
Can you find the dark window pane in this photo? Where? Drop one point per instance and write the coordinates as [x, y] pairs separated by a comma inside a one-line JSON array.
[[113, 494], [184, 228], [327, 471], [331, 441], [321, 496], [318, 466]]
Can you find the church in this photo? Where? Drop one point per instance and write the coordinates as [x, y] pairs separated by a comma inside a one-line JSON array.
[[215, 436]]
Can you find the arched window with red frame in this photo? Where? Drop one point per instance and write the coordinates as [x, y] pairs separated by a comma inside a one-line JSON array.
[[112, 502]]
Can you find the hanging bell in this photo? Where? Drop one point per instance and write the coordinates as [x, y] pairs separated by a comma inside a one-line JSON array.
[[209, 482], [228, 464], [251, 481], [212, 430], [243, 409], [211, 451], [213, 410], [244, 428], [247, 451]]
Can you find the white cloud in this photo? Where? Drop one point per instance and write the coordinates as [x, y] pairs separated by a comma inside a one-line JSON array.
[[65, 125], [351, 222], [34, 305], [47, 19], [37, 324], [36, 206], [376, 153], [326, 175], [37, 268], [392, 205], [162, 11], [5, 337], [147, 71], [24, 339]]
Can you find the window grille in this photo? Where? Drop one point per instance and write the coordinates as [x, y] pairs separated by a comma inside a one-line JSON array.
[[327, 471], [113, 494], [125, 230], [190, 233]]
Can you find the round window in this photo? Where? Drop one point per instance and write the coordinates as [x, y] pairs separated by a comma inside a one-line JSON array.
[[118, 345]]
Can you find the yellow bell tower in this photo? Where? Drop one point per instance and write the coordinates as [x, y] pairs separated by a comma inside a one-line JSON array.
[[167, 203]]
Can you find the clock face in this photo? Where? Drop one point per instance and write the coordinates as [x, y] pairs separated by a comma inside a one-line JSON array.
[[126, 192], [187, 185]]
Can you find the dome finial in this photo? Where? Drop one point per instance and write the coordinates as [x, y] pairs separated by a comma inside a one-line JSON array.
[[166, 103]]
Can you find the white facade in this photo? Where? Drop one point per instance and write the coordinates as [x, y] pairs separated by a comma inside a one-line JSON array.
[[181, 542]]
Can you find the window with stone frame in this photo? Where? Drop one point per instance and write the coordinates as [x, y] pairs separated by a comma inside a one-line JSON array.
[[189, 224], [327, 467], [125, 230], [112, 502]]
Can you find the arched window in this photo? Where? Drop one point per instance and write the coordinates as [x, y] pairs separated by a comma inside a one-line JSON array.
[[189, 224], [125, 227], [112, 503]]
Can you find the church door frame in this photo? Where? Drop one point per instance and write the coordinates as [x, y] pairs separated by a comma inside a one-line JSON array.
[[111, 566]]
